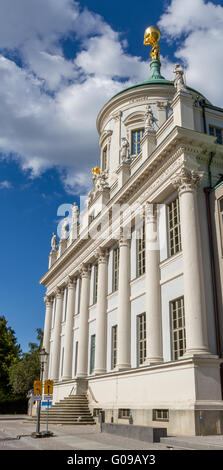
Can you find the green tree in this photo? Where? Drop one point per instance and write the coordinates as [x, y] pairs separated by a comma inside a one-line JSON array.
[[23, 373], [10, 354]]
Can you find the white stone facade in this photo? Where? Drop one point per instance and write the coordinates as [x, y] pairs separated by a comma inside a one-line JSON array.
[[92, 330]]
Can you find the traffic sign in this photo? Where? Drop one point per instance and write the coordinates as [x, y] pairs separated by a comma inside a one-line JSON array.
[[48, 397], [48, 387], [37, 397], [38, 386]]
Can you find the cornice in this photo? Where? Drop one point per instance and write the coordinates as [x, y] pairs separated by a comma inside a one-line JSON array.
[[154, 172]]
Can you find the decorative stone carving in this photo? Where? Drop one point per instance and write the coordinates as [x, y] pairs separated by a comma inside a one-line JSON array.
[[186, 180], [124, 151], [54, 242], [100, 184], [179, 81], [48, 301], [101, 255], [64, 232], [85, 270], [70, 282], [149, 121]]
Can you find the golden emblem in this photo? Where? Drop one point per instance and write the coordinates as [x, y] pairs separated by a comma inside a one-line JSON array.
[[151, 38], [96, 170]]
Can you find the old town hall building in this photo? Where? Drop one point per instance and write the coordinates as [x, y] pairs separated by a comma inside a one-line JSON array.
[[134, 290]]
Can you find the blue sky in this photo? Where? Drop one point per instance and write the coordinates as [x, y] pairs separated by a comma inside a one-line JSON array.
[[60, 61]]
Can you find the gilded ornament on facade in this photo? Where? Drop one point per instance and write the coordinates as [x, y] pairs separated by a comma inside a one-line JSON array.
[[151, 38]]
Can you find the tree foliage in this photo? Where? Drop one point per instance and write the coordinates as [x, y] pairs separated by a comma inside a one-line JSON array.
[[10, 354], [23, 373]]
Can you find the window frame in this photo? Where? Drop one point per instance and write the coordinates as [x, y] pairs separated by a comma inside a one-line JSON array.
[[115, 268], [141, 342], [138, 143], [95, 284], [172, 229], [215, 131], [114, 346], [124, 413], [92, 354], [141, 251], [161, 415], [220, 215], [175, 334]]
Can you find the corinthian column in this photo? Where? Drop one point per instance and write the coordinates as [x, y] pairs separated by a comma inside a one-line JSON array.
[[101, 315], [124, 313], [187, 183], [68, 342], [47, 329], [82, 360], [56, 335], [154, 345]]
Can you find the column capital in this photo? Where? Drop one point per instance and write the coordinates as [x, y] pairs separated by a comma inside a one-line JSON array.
[[101, 255], [48, 300], [123, 240], [58, 292], [85, 270], [187, 180], [151, 212], [70, 282]]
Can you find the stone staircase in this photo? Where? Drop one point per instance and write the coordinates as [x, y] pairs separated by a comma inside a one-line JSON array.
[[71, 410]]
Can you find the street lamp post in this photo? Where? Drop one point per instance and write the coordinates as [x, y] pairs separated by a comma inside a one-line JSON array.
[[43, 356]]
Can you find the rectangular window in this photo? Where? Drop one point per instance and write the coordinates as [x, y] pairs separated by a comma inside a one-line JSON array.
[[136, 137], [79, 295], [65, 305], [76, 355], [140, 251], [62, 357], [174, 234], [220, 207], [115, 269], [178, 333], [217, 132], [160, 415], [53, 313], [96, 412], [141, 338], [123, 413], [105, 158], [114, 347], [92, 355], [95, 286], [91, 218]]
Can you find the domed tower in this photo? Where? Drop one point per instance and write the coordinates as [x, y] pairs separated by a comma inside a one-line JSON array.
[[131, 290]]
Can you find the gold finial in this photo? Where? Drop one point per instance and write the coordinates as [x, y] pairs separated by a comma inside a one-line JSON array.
[[96, 170], [151, 38]]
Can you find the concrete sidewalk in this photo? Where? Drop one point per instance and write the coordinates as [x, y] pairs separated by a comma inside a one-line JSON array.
[[66, 437], [89, 438]]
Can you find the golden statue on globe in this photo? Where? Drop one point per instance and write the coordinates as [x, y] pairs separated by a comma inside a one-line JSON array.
[[151, 38]]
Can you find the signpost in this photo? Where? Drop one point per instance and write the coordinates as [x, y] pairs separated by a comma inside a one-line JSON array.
[[48, 395]]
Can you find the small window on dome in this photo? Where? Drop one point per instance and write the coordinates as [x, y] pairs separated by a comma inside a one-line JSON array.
[[136, 138], [105, 158]]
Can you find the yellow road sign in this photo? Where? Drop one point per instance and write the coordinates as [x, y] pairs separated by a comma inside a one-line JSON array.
[[37, 388], [48, 387]]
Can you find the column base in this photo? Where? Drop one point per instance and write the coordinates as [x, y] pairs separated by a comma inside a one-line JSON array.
[[198, 352], [123, 366], [150, 361], [81, 385], [99, 371], [66, 377]]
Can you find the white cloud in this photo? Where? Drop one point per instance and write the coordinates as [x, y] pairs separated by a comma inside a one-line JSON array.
[[199, 26], [5, 184], [49, 104]]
